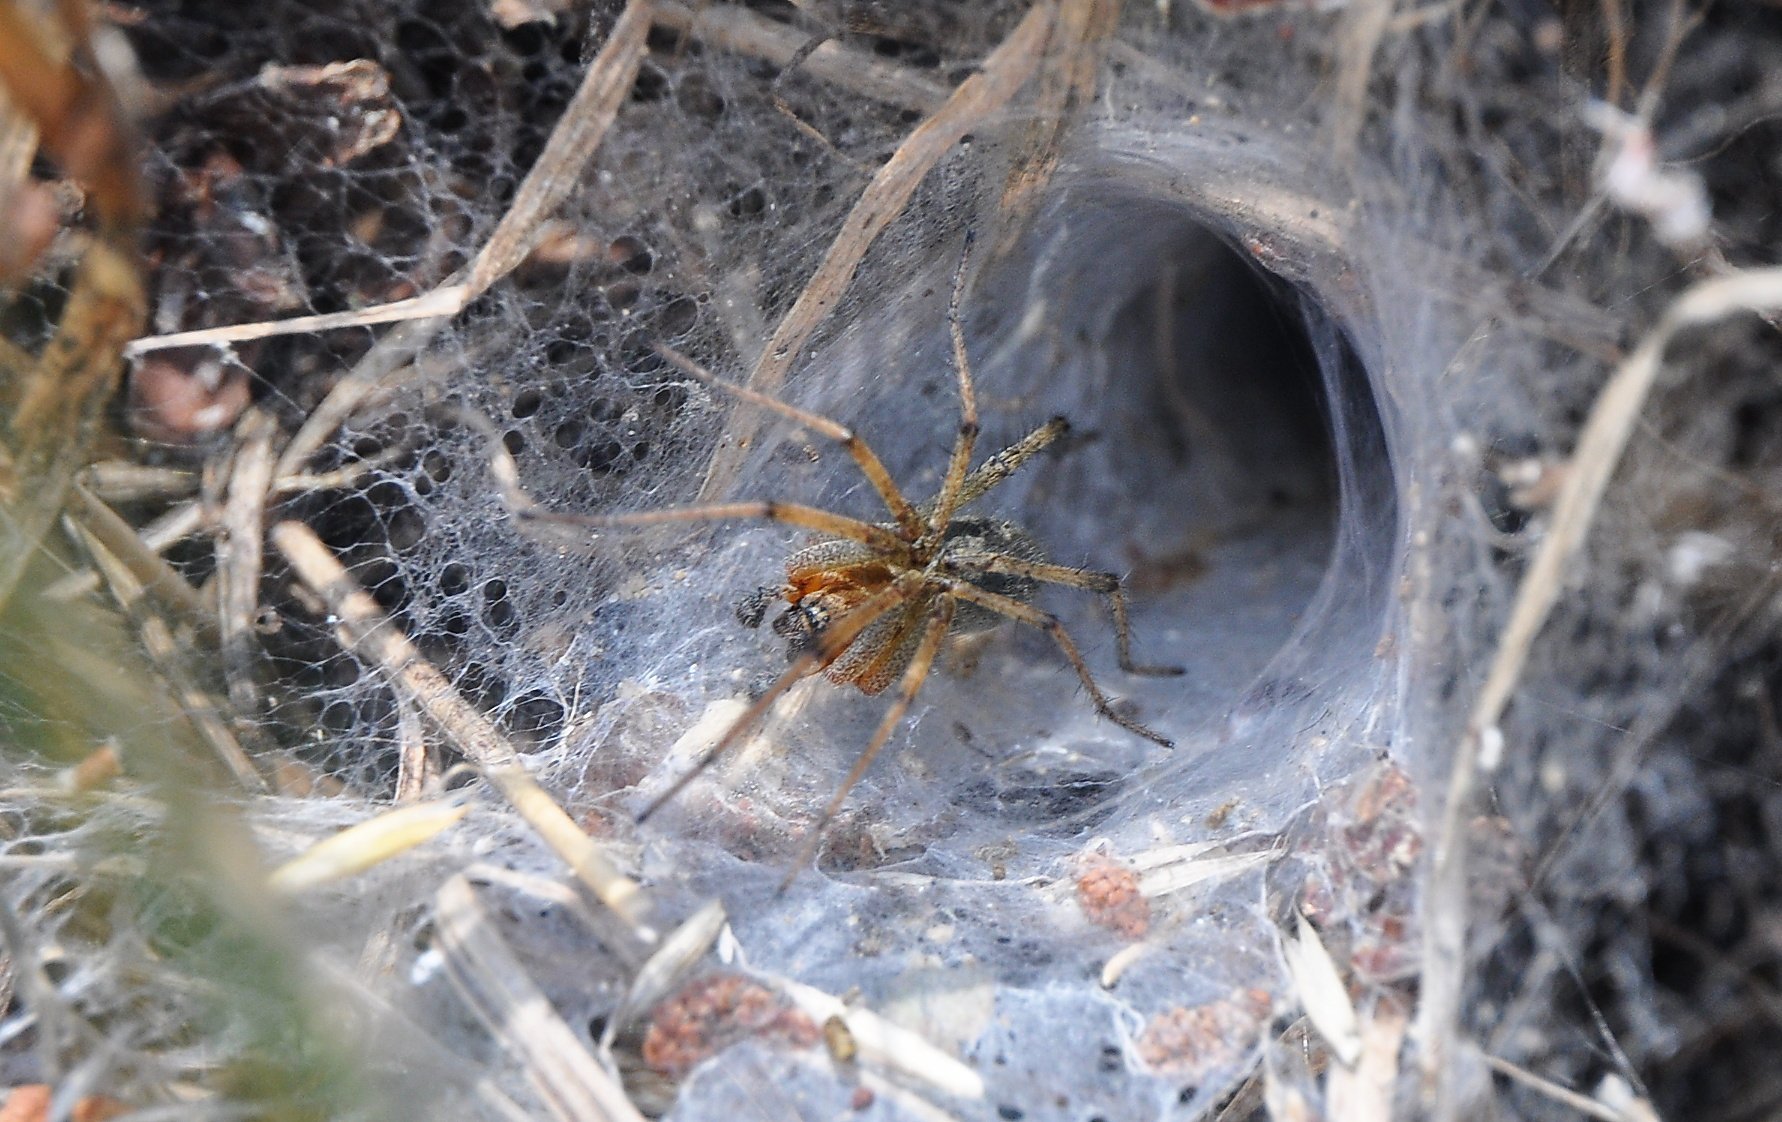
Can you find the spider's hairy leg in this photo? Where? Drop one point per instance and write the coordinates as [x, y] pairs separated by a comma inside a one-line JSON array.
[[908, 520], [939, 623], [1008, 461], [524, 507], [947, 500], [795, 514], [1090, 580], [1052, 626], [834, 640]]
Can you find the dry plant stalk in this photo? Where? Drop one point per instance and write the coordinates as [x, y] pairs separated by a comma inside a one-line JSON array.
[[365, 630], [495, 984], [741, 31], [63, 393], [1600, 445], [1067, 80], [240, 549], [158, 640], [1004, 71]]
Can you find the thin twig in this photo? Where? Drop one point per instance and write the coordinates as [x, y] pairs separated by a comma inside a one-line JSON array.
[[1066, 81], [1583, 1104], [157, 640], [240, 549], [986, 92], [365, 630], [1599, 448], [157, 577], [743, 32], [496, 985]]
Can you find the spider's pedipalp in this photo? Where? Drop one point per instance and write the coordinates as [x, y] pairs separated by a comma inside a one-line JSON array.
[[908, 520], [1051, 625], [1090, 580], [753, 608]]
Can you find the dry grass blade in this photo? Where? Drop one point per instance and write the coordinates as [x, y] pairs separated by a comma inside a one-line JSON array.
[[1004, 72], [157, 639], [63, 393], [743, 32], [367, 845], [1066, 81], [157, 577], [364, 629], [495, 984], [889, 1046], [679, 952], [240, 550], [1321, 991], [1600, 445]]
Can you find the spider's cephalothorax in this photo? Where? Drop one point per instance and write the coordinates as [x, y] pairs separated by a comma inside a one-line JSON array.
[[870, 603], [828, 579]]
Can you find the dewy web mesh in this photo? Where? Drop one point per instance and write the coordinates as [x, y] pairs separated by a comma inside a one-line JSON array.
[[1321, 373]]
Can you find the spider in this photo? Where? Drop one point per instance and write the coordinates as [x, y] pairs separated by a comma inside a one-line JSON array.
[[868, 604]]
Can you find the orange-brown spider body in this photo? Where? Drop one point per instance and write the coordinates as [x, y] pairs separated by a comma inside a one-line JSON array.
[[868, 604], [828, 579]]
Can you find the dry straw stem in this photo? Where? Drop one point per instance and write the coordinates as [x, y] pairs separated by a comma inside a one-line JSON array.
[[495, 984], [367, 632], [886, 1045], [63, 393], [1583, 1104], [164, 585], [1066, 81], [740, 31], [157, 639], [1004, 71], [240, 550], [366, 845], [1599, 449], [1363, 26], [1364, 1093]]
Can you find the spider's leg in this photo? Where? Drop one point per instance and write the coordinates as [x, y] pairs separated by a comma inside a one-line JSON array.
[[524, 507], [1008, 461], [1052, 626], [809, 517], [908, 520], [834, 640], [938, 625], [1090, 580], [947, 501]]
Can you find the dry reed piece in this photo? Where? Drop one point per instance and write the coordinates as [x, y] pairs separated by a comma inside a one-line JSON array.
[[366, 631], [1600, 445], [496, 985], [1004, 71]]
